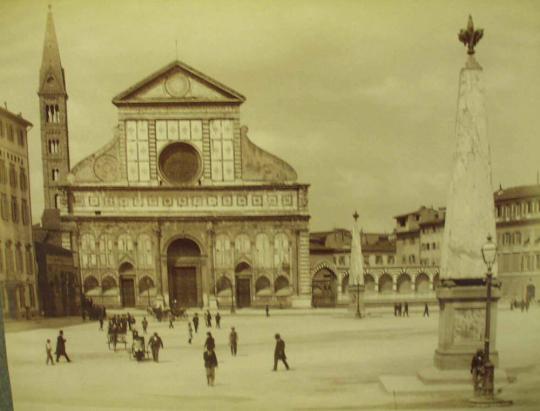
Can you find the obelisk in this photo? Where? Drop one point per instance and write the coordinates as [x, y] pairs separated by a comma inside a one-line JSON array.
[[356, 271], [470, 218]]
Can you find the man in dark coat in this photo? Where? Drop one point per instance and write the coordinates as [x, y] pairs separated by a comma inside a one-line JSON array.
[[279, 352], [426, 310], [210, 343], [233, 341], [477, 370], [144, 324], [210, 363], [267, 309], [218, 320], [196, 322], [208, 319], [155, 343], [405, 309], [61, 347]]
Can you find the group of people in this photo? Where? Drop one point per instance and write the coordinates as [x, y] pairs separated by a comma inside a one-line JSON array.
[[402, 309], [522, 305], [60, 350]]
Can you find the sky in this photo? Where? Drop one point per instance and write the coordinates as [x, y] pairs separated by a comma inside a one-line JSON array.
[[358, 96]]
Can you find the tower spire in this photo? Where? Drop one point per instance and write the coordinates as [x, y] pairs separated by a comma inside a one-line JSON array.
[[51, 74]]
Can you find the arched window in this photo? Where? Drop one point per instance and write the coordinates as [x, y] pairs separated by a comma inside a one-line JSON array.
[[281, 284], [242, 245], [223, 251], [369, 283], [88, 251], [263, 285], [106, 255], [108, 283], [125, 243], [144, 245], [282, 253], [404, 284], [18, 259], [264, 252], [90, 283], [223, 286], [29, 260]]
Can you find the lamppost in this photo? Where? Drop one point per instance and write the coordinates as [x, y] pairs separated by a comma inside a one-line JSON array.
[[233, 309], [148, 283], [489, 253]]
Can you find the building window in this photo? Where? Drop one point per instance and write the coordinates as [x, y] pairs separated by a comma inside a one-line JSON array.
[[52, 113], [54, 146], [434, 246], [341, 260], [378, 259], [29, 261], [412, 259], [32, 295], [10, 132], [1, 129], [18, 259], [20, 137], [5, 207], [25, 215], [55, 174], [57, 200], [517, 238], [12, 176], [2, 260], [23, 181], [390, 259], [3, 173], [14, 209]]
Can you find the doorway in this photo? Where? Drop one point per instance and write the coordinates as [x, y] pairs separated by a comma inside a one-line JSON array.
[[243, 292], [127, 291], [183, 287]]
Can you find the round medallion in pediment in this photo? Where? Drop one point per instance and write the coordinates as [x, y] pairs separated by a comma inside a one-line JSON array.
[[180, 163], [106, 168], [177, 85]]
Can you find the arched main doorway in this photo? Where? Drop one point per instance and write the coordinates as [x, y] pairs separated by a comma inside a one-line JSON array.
[[243, 284], [324, 288], [127, 285], [183, 263]]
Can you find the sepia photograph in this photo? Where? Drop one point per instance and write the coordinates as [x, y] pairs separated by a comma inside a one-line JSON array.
[[269, 205]]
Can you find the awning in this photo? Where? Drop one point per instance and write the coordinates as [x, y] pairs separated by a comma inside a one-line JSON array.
[[265, 292], [284, 292], [94, 292], [111, 292], [225, 293], [153, 292]]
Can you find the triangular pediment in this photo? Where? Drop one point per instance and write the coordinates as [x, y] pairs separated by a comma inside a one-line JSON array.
[[178, 83]]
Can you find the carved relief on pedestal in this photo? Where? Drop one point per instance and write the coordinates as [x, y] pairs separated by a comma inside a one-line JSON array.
[[469, 325]]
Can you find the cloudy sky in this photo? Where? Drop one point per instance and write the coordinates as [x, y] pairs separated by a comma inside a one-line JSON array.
[[358, 96]]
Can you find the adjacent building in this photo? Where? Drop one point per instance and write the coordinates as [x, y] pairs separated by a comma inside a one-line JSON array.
[[17, 266], [180, 206]]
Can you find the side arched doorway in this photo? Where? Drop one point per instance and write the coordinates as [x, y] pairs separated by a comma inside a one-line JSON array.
[[127, 285], [183, 266], [324, 288], [243, 276]]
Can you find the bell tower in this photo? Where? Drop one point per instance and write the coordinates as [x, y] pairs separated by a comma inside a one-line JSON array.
[[53, 114]]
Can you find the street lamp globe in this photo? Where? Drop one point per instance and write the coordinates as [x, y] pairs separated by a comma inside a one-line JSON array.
[[489, 252]]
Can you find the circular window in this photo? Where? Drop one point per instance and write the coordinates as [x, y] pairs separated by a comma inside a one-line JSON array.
[[180, 163], [177, 85]]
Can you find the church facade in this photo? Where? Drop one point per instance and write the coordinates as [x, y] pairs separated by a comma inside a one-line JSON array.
[[180, 207]]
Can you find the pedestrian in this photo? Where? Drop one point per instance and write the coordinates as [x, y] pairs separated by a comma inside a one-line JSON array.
[[208, 319], [61, 347], [218, 320], [279, 352], [426, 310], [196, 321], [399, 309], [267, 309], [210, 364], [144, 324], [405, 309], [395, 309], [477, 371], [155, 343], [233, 341], [171, 320], [100, 322], [48, 350], [210, 343], [190, 333]]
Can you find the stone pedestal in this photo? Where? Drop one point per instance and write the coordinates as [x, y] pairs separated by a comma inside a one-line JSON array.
[[357, 292], [462, 319]]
